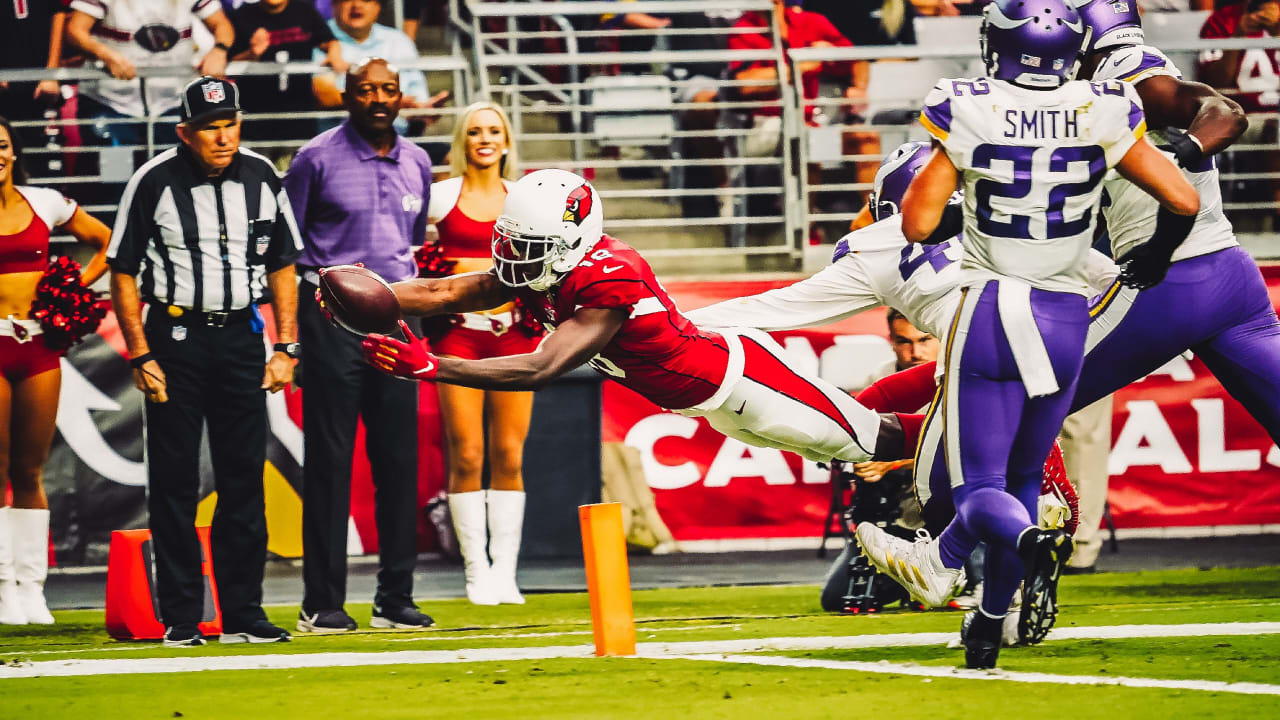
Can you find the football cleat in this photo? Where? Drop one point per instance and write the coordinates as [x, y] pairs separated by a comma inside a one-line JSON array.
[[981, 637], [1044, 554], [917, 565]]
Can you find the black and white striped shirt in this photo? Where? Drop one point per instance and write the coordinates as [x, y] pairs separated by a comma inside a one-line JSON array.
[[202, 243]]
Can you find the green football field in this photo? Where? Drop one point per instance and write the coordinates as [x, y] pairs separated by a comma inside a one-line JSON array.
[[1187, 643]]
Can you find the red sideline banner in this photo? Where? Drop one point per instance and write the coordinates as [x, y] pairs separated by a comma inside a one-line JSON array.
[[1183, 452]]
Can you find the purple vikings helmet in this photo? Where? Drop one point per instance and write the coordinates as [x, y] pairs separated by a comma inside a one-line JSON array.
[[895, 174], [1110, 23], [1033, 43]]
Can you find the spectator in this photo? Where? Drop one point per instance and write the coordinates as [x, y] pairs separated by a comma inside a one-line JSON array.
[[360, 194], [30, 375], [799, 29], [355, 25], [464, 209], [414, 10], [30, 37], [1252, 78], [869, 22], [128, 34], [281, 31], [200, 353]]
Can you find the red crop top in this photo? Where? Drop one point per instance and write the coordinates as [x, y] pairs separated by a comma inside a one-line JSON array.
[[463, 237], [25, 251]]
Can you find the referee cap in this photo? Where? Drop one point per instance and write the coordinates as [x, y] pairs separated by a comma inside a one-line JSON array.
[[206, 97]]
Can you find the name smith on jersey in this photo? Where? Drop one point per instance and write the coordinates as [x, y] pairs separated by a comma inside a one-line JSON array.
[[1042, 124]]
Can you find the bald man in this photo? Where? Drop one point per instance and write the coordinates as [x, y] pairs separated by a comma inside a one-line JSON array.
[[359, 194]]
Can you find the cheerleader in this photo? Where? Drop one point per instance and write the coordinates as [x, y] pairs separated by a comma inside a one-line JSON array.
[[30, 373], [464, 208]]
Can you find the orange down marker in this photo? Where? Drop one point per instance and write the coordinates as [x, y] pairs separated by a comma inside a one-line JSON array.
[[604, 551]]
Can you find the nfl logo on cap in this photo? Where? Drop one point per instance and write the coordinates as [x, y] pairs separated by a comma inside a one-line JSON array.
[[213, 92]]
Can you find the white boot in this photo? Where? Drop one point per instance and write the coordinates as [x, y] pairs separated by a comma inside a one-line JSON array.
[[10, 605], [506, 521], [468, 511], [31, 560]]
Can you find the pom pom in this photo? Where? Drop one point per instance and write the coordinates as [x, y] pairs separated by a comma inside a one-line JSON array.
[[431, 261], [64, 307], [525, 321]]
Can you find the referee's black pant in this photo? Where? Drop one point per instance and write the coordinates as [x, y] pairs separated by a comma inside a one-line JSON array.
[[338, 388], [212, 374]]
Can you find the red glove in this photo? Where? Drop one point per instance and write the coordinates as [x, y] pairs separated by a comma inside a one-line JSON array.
[[411, 360]]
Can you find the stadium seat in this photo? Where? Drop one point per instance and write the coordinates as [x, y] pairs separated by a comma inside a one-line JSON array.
[[948, 32], [1165, 29], [631, 109]]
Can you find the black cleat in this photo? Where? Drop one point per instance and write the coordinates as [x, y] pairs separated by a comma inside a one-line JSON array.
[[325, 621], [185, 635], [259, 631], [400, 618], [1044, 554], [981, 637]]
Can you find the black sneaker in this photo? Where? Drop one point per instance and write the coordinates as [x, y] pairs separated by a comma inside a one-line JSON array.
[[400, 618], [186, 635], [1044, 554], [259, 631], [981, 637], [326, 621]]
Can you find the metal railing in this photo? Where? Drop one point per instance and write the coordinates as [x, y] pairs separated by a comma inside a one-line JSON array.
[[554, 99]]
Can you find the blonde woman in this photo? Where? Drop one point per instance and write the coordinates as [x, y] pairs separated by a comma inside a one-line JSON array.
[[464, 208]]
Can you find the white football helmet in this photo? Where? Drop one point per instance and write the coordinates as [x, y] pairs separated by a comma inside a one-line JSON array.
[[550, 220]]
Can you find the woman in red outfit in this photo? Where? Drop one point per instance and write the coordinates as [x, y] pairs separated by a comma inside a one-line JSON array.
[[464, 208], [30, 375]]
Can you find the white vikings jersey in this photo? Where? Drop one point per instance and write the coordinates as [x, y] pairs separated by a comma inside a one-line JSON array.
[[1131, 214], [881, 269], [1031, 163]]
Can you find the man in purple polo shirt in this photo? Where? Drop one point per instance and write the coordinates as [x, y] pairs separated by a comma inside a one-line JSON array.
[[359, 194]]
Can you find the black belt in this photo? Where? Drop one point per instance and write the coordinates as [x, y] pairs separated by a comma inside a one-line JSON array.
[[187, 316]]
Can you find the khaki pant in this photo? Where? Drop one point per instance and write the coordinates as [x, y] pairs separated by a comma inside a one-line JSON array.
[[1086, 446]]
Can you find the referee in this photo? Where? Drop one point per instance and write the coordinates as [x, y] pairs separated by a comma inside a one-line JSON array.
[[204, 230]]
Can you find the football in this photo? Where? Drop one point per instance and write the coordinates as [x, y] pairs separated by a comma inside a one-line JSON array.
[[359, 299]]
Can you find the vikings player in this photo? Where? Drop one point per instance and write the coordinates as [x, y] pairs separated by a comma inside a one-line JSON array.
[[1030, 150], [875, 266], [605, 306], [1212, 284]]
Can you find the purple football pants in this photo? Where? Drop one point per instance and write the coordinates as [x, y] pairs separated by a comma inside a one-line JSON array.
[[1215, 305], [996, 437]]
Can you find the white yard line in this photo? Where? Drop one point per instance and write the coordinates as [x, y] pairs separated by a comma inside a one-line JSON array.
[[645, 630], [701, 650], [888, 668]]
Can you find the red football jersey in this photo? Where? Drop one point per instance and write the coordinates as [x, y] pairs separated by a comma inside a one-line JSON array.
[[657, 351], [1259, 78]]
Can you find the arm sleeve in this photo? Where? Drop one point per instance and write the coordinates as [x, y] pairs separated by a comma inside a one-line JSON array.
[[1124, 133], [936, 115], [132, 231], [96, 9], [902, 392], [286, 241], [205, 9], [838, 291]]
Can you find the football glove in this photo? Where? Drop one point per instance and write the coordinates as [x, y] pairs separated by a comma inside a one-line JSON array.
[[1144, 266], [1185, 147], [411, 360]]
